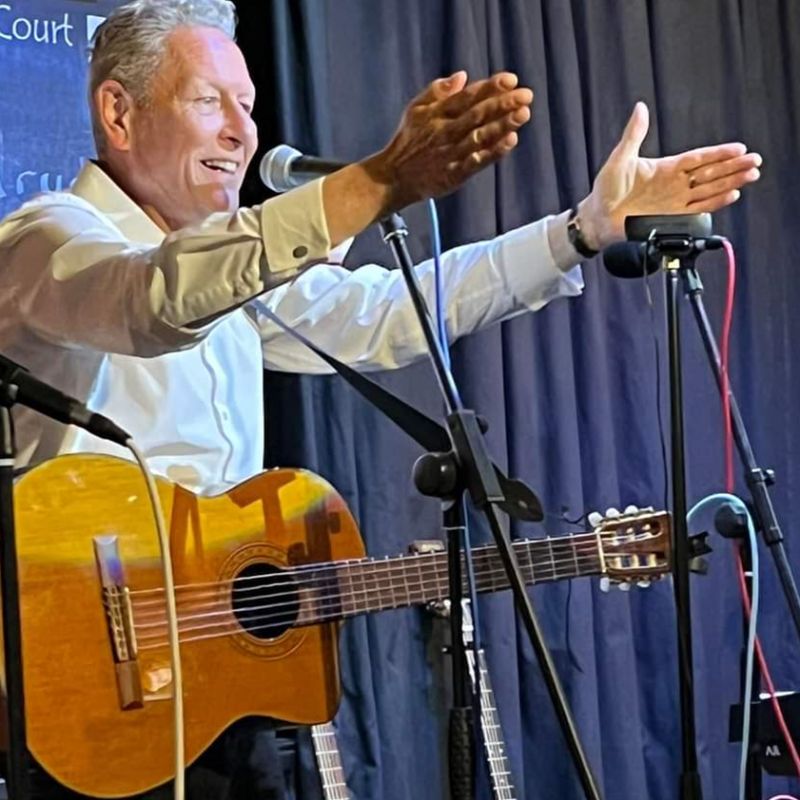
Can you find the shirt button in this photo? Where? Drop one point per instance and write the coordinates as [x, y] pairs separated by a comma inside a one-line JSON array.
[[300, 252]]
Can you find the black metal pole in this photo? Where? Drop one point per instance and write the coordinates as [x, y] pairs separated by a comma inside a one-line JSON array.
[[690, 787], [758, 479], [460, 732], [18, 778], [478, 476]]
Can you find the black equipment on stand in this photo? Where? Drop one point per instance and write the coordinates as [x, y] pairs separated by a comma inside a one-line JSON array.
[[466, 466], [673, 243]]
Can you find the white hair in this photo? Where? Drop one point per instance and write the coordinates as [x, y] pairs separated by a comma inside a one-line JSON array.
[[130, 45]]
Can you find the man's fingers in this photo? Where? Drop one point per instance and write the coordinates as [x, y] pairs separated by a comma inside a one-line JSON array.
[[715, 203], [701, 156], [504, 83], [722, 186], [487, 136], [464, 167], [721, 169], [441, 88]]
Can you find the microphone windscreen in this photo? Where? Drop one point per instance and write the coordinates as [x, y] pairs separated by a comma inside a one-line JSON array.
[[275, 168], [627, 260]]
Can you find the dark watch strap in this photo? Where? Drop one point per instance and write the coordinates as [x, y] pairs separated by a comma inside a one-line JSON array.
[[575, 235]]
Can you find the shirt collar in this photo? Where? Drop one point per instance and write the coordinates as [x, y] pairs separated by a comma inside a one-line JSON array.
[[95, 186]]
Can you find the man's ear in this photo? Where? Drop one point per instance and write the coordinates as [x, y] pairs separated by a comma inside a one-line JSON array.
[[115, 108]]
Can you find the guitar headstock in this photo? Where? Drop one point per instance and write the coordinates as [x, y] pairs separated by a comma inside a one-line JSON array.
[[635, 546]]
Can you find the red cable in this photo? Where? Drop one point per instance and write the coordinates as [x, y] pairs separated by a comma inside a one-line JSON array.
[[729, 487], [724, 352]]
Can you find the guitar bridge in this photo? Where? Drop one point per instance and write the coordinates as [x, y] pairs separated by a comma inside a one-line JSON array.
[[119, 619]]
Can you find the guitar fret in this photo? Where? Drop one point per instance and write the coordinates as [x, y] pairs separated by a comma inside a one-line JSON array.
[[420, 578], [359, 579], [372, 591], [349, 605]]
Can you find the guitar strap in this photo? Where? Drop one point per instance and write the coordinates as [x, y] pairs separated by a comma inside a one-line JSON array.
[[519, 501]]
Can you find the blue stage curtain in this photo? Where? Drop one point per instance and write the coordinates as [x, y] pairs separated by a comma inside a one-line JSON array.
[[571, 393]]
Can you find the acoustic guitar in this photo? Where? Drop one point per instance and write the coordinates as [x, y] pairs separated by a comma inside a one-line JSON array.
[[264, 574]]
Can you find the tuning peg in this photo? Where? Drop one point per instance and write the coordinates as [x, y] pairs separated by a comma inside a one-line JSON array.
[[631, 509], [605, 584], [624, 587], [594, 518], [644, 584], [613, 512]]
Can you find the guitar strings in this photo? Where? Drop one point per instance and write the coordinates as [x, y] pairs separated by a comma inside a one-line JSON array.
[[317, 587], [333, 589], [340, 572], [324, 609], [573, 541]]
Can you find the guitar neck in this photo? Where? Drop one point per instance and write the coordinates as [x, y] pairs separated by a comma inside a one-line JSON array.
[[493, 743], [349, 588], [329, 763]]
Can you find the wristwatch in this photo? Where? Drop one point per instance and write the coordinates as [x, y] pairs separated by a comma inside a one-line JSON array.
[[575, 235]]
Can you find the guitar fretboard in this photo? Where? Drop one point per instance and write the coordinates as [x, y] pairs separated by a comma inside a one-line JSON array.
[[329, 762], [349, 588], [493, 742]]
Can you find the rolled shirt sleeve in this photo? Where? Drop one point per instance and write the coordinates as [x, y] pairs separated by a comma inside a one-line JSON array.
[[71, 275]]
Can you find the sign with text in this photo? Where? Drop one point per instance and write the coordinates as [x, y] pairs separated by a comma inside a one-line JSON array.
[[45, 133]]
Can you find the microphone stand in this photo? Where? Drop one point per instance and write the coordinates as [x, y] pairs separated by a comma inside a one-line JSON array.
[[757, 478], [17, 776], [758, 482], [468, 467], [672, 252]]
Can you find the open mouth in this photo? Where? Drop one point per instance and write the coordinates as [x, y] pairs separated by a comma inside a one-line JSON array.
[[220, 165]]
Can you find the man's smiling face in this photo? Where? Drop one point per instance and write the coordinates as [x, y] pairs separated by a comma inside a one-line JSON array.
[[191, 143]]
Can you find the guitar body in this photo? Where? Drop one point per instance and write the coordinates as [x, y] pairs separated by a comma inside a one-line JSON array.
[[76, 726]]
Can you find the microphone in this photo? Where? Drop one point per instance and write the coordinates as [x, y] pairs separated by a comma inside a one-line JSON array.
[[638, 259], [284, 167], [23, 388], [628, 260]]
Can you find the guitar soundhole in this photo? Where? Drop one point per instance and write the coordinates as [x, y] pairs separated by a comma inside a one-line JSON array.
[[265, 601]]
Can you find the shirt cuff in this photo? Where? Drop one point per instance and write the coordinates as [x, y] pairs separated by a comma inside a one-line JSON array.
[[294, 229]]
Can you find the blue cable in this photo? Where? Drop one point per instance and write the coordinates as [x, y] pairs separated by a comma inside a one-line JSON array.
[[441, 319], [739, 508]]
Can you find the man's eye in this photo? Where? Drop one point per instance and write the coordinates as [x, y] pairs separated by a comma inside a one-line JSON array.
[[208, 103]]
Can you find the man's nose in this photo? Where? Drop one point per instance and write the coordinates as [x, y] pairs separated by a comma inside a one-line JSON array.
[[239, 128]]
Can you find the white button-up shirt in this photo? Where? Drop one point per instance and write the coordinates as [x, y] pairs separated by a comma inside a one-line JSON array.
[[157, 332]]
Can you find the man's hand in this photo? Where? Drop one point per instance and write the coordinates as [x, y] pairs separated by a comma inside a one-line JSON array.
[[450, 131], [447, 133], [704, 179]]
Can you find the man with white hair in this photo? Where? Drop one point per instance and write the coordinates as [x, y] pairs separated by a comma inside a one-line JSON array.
[[135, 289]]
